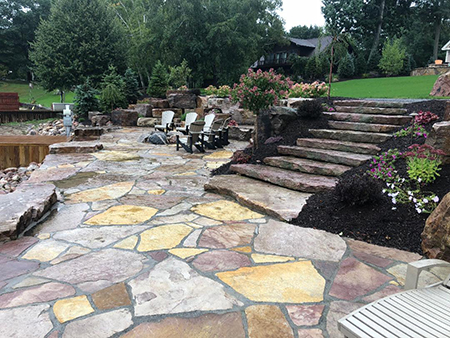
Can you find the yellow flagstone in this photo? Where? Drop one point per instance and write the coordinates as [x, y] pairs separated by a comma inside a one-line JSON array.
[[156, 192], [71, 308], [297, 282], [66, 166], [224, 154], [245, 249], [123, 215], [107, 192], [128, 243], [163, 154], [186, 252], [214, 165], [189, 173], [82, 164], [46, 251], [116, 156], [224, 210], [43, 236], [163, 237], [259, 258], [194, 225]]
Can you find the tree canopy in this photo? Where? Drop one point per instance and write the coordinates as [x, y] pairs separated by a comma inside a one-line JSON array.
[[305, 32]]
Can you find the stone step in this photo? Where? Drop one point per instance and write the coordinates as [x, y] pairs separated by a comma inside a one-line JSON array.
[[368, 118], [358, 126], [350, 135], [351, 147], [325, 155], [371, 110], [279, 202], [286, 178], [369, 103], [306, 166]]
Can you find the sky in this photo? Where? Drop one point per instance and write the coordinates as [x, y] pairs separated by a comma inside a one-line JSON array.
[[302, 12]]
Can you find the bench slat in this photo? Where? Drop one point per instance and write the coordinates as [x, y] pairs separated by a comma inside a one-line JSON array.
[[398, 329], [374, 322]]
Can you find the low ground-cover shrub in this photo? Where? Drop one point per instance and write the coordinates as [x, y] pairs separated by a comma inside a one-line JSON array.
[[310, 109], [222, 91], [358, 190], [425, 117], [306, 90], [415, 130], [423, 162]]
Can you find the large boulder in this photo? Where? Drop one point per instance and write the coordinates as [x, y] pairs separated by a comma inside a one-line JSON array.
[[144, 109], [182, 100], [156, 137], [159, 103], [100, 120], [440, 138], [280, 118], [157, 112], [436, 235], [124, 117], [147, 122], [442, 86]]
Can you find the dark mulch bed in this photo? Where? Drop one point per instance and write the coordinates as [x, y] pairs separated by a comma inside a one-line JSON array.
[[377, 223]]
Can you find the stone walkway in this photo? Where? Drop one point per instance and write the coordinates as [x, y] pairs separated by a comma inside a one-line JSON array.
[[137, 248]]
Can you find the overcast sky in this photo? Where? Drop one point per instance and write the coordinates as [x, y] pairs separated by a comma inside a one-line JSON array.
[[302, 12]]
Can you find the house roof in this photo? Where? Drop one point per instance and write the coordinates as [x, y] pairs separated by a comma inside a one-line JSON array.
[[447, 46], [302, 42]]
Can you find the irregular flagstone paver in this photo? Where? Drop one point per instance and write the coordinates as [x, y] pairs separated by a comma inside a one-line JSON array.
[[280, 283], [71, 308], [191, 240], [387, 291], [259, 258], [158, 256], [103, 325], [220, 260], [52, 174], [176, 209], [103, 205], [185, 253], [388, 253], [46, 250], [160, 202], [310, 333], [227, 236], [123, 214], [267, 321], [67, 217], [11, 268], [37, 294], [355, 279], [228, 325], [308, 315], [224, 210], [15, 248], [110, 264], [156, 192], [98, 237], [337, 311], [374, 260], [225, 154], [128, 243], [116, 156], [107, 192], [290, 240], [31, 322], [180, 218], [30, 281], [204, 221], [425, 277], [163, 237], [245, 249], [173, 287], [111, 297], [73, 252]]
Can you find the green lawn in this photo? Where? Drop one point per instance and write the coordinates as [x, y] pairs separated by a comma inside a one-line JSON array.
[[408, 87], [39, 95]]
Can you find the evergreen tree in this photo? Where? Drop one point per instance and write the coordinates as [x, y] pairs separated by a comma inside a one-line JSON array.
[[81, 38], [159, 81], [85, 99], [131, 86], [113, 91], [179, 75], [360, 64], [346, 68], [393, 57]]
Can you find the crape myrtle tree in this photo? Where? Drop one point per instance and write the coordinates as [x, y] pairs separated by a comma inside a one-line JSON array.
[[80, 39]]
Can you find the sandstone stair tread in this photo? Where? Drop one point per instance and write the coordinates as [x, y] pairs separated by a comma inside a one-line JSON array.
[[306, 165], [350, 135], [282, 203], [370, 110], [352, 147], [369, 103], [369, 127], [286, 178], [369, 118], [325, 155]]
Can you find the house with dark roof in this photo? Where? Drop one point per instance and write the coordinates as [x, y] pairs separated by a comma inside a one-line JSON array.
[[280, 55]]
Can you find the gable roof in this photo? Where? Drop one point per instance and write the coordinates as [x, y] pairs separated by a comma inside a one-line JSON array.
[[447, 46], [302, 42]]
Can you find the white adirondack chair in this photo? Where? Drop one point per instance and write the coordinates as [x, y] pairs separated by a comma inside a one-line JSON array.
[[191, 117], [208, 122], [412, 313], [166, 121]]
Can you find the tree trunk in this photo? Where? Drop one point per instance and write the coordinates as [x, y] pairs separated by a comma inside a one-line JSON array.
[[376, 41], [61, 95], [437, 35]]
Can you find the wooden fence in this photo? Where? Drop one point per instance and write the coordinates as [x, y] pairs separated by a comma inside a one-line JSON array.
[[26, 115], [20, 151]]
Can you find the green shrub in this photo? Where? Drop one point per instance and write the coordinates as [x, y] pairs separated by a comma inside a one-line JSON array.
[[113, 91], [346, 68], [392, 58], [131, 86], [360, 65], [159, 81], [179, 75], [310, 109], [85, 99]]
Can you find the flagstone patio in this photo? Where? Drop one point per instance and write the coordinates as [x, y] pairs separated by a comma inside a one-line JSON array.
[[137, 248]]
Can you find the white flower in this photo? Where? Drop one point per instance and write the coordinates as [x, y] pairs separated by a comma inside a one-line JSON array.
[[384, 191], [436, 199], [414, 200], [419, 180], [410, 193], [394, 201], [403, 180], [419, 210], [410, 198], [396, 194], [425, 201], [394, 208]]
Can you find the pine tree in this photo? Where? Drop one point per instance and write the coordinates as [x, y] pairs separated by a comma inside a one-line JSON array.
[[86, 98], [131, 86], [158, 82], [113, 91]]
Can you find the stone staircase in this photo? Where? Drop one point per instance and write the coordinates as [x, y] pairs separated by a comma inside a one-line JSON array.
[[314, 164]]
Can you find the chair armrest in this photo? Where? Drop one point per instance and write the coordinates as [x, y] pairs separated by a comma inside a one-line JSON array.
[[415, 268]]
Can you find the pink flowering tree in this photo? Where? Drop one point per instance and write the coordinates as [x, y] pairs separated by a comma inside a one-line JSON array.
[[257, 91]]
